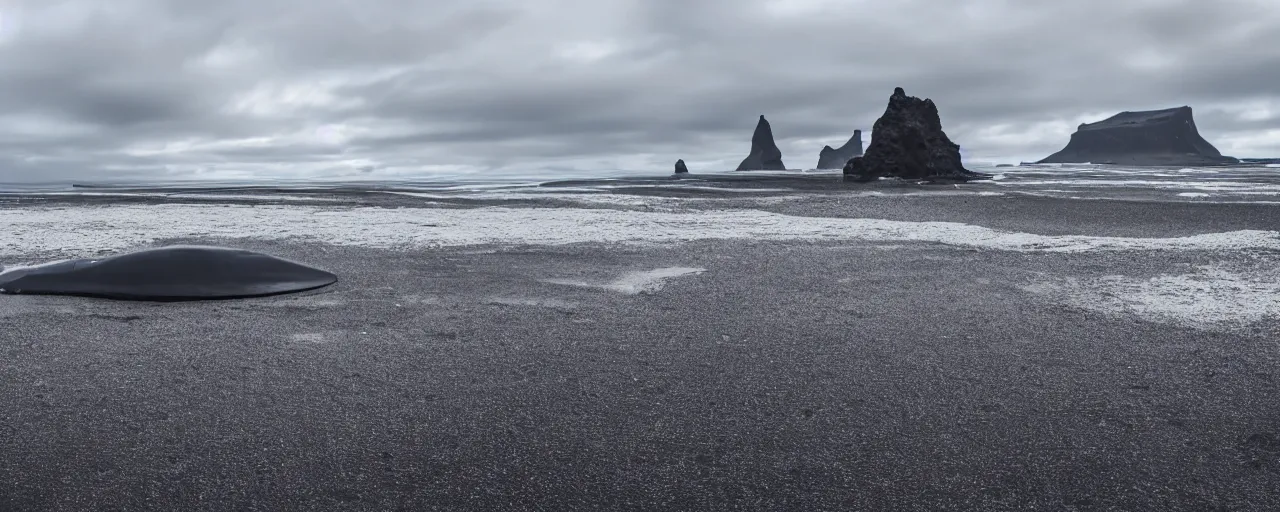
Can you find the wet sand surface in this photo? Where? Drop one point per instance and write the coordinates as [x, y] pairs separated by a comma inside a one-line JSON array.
[[713, 374]]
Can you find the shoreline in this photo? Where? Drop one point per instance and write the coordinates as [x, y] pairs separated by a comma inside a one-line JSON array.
[[1007, 221]]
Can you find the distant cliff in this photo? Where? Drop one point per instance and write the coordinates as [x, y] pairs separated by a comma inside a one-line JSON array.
[[765, 155], [830, 158], [1152, 137]]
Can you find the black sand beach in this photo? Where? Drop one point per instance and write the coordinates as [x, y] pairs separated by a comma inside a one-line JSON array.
[[760, 374]]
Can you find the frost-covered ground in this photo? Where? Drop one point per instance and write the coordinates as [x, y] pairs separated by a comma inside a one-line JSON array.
[[1208, 294], [97, 229]]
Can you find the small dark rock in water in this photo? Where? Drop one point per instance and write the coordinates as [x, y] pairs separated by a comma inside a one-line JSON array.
[[908, 142], [1004, 165], [765, 155], [680, 168], [1152, 137], [830, 158]]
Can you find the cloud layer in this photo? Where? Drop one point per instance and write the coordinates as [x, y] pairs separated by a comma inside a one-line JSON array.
[[291, 88]]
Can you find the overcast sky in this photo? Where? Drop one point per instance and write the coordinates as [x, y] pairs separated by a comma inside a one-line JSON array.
[[284, 88]]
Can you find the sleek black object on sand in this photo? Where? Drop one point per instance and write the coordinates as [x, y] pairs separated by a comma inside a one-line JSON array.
[[174, 273], [1151, 137]]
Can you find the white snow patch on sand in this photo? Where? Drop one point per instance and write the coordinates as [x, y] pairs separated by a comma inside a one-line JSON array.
[[635, 283], [1210, 296], [93, 230], [309, 337], [592, 198], [532, 302], [306, 302], [676, 186], [1198, 171], [1207, 186]]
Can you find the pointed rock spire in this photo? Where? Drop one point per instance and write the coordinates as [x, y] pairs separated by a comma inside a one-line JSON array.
[[765, 155]]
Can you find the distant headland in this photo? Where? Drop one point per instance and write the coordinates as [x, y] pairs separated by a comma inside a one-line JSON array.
[[1143, 138]]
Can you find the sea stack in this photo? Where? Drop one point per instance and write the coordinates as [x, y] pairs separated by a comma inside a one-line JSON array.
[[908, 142], [1145, 138], [680, 168], [765, 155], [830, 158]]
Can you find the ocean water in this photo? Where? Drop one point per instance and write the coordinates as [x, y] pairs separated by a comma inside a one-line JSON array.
[[1254, 184]]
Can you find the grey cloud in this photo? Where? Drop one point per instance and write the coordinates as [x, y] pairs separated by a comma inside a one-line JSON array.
[[355, 36], [479, 83]]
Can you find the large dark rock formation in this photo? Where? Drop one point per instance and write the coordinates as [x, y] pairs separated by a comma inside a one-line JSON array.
[[680, 168], [765, 155], [1152, 137], [830, 158], [908, 142]]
